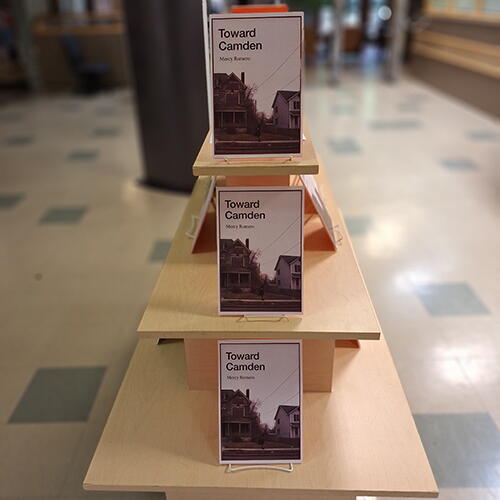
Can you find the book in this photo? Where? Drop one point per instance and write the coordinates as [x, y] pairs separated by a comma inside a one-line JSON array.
[[312, 188], [256, 75], [199, 219], [260, 401], [260, 245]]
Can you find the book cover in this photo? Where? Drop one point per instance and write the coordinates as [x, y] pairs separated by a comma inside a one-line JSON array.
[[313, 190], [256, 65], [260, 401], [199, 219], [260, 250]]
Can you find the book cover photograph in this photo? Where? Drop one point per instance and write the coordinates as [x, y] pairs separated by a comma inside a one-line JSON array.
[[256, 64], [260, 401], [260, 249]]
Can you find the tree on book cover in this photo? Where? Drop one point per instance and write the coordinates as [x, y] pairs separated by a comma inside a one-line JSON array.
[[256, 77], [245, 436], [243, 284]]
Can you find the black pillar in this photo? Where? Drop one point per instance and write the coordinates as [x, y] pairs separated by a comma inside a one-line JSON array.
[[168, 64]]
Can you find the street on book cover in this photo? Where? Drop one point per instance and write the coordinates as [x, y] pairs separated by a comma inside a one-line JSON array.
[[260, 401], [256, 64], [260, 250]]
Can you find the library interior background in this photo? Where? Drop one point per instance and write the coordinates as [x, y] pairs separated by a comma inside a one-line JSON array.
[[102, 111]]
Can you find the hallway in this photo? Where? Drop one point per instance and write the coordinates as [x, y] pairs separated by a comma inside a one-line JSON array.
[[417, 176]]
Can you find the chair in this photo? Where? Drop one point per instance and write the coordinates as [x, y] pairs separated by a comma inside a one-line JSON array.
[[89, 73]]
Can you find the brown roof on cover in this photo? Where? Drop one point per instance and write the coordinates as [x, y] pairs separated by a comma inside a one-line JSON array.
[[223, 77], [233, 393]]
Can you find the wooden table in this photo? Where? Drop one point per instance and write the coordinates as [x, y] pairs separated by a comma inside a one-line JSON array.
[[358, 440]]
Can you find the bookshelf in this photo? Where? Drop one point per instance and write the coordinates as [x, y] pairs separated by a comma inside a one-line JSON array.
[[184, 301], [359, 434]]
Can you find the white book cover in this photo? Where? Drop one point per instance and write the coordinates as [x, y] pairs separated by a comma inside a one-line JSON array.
[[313, 190], [260, 242], [260, 401], [200, 218], [256, 70]]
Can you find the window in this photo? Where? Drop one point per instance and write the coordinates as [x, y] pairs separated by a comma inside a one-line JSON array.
[[237, 261], [296, 104], [491, 7], [465, 9], [296, 268], [438, 4], [465, 5], [239, 117], [296, 418], [278, 272], [278, 421], [232, 98]]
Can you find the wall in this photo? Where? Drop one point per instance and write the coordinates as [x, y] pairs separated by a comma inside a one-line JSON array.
[[462, 58]]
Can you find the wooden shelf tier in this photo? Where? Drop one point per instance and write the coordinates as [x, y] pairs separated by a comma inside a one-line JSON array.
[[206, 164], [184, 301], [359, 440]]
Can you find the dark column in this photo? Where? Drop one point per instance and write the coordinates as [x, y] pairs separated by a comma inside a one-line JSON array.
[[166, 47], [365, 10]]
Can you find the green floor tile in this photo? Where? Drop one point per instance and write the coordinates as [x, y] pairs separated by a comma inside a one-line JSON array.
[[59, 395]]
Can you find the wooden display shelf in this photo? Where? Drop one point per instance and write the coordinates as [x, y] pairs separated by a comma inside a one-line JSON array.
[[184, 301], [206, 164], [359, 440]]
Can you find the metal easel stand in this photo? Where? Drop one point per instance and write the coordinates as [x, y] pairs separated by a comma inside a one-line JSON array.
[[194, 221], [256, 318], [231, 468]]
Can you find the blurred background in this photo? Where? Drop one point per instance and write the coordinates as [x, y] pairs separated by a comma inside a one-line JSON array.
[[102, 110]]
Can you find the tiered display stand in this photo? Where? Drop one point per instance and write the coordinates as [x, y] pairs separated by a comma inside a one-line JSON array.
[[359, 435]]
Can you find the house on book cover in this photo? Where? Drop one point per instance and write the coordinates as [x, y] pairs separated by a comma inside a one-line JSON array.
[[287, 421], [238, 269], [286, 109], [234, 108], [237, 417], [288, 272]]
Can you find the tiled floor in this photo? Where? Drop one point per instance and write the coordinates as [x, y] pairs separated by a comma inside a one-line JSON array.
[[416, 175], [63, 215], [419, 193], [77, 268], [59, 395]]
